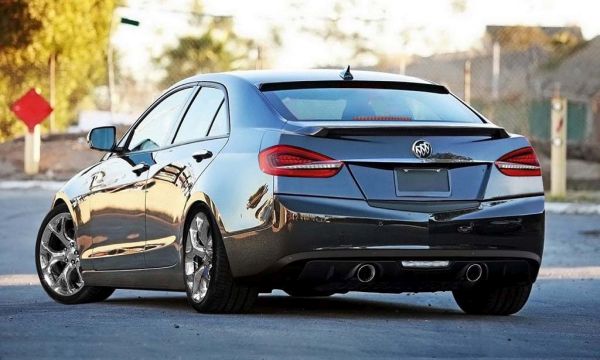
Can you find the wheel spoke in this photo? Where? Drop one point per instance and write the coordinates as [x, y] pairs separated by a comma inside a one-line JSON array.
[[79, 276], [206, 272], [189, 267], [196, 281], [203, 287], [198, 250], [61, 233], [64, 278], [209, 246], [45, 249], [204, 280], [203, 229], [193, 235], [56, 258]]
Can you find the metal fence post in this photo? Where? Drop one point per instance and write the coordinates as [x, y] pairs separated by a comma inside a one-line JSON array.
[[467, 83], [558, 169]]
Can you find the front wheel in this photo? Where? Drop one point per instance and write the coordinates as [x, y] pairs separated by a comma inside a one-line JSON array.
[[57, 261], [492, 301], [209, 284]]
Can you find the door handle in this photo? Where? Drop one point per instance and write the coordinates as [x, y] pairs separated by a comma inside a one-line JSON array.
[[140, 168], [201, 155]]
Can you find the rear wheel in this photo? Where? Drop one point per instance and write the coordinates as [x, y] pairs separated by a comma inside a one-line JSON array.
[[492, 301], [210, 286], [57, 261]]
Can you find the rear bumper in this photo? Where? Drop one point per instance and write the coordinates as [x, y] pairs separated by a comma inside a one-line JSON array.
[[339, 276], [305, 229]]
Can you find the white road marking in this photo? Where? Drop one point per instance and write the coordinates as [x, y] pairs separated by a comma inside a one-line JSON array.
[[19, 280], [584, 272]]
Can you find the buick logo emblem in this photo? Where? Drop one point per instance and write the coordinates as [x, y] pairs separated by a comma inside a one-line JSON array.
[[421, 149]]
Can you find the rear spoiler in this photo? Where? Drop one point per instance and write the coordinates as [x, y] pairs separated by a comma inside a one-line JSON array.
[[383, 128]]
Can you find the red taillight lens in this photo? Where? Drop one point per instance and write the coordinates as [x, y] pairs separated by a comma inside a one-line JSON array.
[[521, 162], [285, 160]]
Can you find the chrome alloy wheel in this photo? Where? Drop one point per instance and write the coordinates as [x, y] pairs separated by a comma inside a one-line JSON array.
[[198, 257], [59, 257]]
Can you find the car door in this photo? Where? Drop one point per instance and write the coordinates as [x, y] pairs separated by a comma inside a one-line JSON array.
[[199, 138], [118, 187]]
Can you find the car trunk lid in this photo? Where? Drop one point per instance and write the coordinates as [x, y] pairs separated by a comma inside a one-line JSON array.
[[381, 159]]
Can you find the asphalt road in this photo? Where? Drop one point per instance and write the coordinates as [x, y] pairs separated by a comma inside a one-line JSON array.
[[561, 319]]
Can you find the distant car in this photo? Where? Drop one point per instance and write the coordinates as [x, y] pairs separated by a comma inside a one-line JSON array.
[[314, 182]]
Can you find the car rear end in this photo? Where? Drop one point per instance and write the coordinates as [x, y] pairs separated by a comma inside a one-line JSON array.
[[392, 187]]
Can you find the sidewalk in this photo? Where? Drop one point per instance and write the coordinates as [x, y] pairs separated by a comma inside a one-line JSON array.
[[574, 208]]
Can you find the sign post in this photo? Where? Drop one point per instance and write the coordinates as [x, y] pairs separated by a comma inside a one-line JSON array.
[[558, 169], [32, 151], [32, 109]]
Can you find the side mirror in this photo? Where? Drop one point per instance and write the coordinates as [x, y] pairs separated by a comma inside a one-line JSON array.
[[102, 138]]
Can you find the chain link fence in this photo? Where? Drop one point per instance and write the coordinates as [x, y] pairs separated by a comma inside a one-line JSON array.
[[513, 75]]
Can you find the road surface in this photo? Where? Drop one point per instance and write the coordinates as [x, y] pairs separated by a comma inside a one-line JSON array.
[[561, 319]]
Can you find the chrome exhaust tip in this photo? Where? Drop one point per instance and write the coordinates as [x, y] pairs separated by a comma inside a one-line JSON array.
[[474, 273], [365, 273]]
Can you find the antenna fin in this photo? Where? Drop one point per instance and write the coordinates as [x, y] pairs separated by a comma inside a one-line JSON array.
[[346, 74]]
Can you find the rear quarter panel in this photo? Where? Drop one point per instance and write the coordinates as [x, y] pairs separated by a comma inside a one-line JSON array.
[[233, 187]]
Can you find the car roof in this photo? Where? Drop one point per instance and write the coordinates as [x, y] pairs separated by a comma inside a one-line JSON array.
[[259, 77]]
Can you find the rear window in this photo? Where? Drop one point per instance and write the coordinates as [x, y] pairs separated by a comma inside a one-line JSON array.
[[369, 104]]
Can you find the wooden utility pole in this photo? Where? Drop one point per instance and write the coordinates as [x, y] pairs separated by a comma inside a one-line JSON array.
[[558, 170]]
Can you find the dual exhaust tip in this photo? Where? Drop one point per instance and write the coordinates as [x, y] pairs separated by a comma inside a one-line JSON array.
[[474, 273], [365, 273]]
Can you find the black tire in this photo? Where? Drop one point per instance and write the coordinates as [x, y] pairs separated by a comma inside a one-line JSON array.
[[224, 294], [86, 294], [300, 292], [492, 301]]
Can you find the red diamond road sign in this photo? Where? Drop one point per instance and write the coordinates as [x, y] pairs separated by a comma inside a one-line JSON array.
[[31, 108]]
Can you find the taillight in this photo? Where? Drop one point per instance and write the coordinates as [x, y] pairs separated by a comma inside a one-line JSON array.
[[521, 162], [285, 160]]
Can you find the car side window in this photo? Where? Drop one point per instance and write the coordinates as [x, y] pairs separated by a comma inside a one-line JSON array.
[[200, 115], [151, 133], [220, 124]]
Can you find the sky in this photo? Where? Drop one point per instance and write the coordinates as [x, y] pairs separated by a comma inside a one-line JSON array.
[[422, 27]]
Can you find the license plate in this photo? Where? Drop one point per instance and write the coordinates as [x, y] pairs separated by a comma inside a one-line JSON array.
[[422, 182]]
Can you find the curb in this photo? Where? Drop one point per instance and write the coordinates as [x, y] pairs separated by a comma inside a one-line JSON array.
[[572, 208], [31, 184]]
